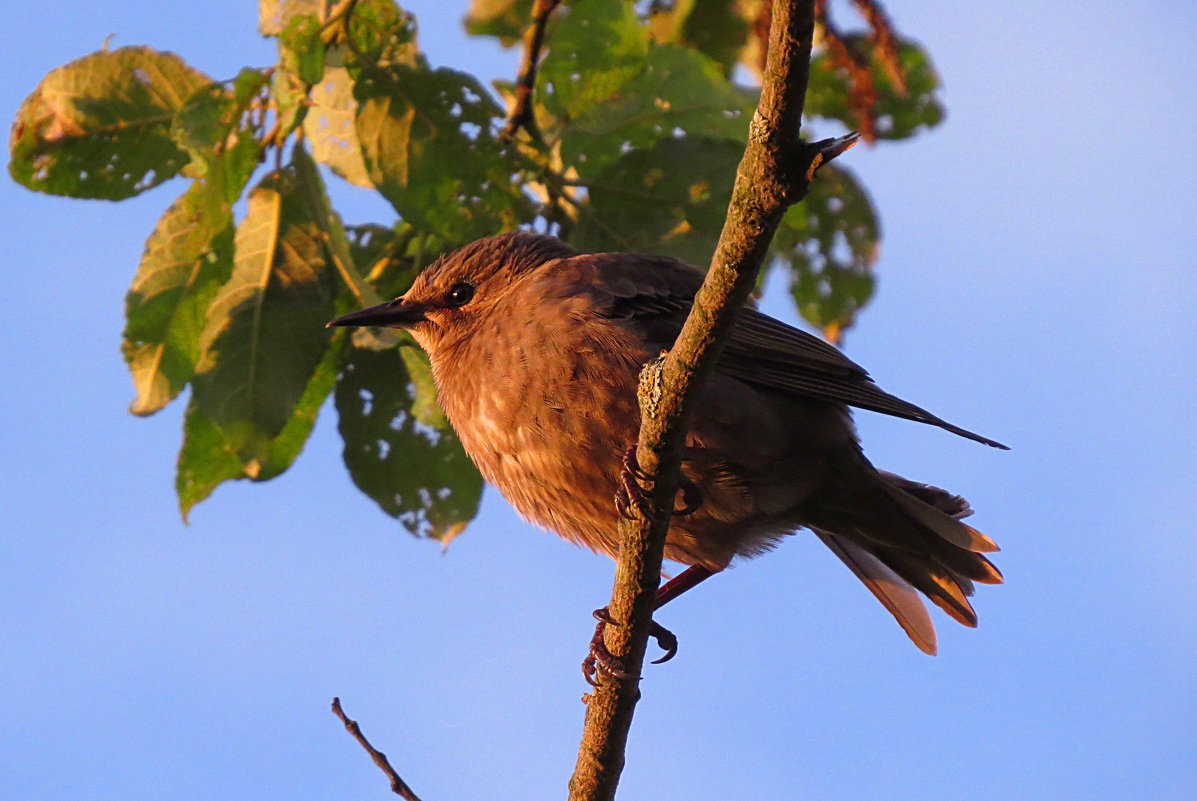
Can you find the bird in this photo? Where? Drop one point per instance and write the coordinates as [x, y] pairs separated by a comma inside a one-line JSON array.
[[536, 350]]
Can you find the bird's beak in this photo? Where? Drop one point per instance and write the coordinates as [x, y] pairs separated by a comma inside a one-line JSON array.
[[397, 313]]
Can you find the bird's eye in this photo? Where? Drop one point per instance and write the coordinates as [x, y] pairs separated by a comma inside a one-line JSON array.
[[460, 294]]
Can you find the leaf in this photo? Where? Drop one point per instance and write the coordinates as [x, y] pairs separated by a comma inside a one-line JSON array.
[[898, 114], [505, 19], [207, 458], [716, 28], [332, 230], [329, 124], [384, 34], [391, 257], [413, 471], [595, 48], [429, 147], [273, 15], [210, 127], [300, 48], [678, 90], [99, 127], [669, 199], [186, 259], [829, 243], [265, 334]]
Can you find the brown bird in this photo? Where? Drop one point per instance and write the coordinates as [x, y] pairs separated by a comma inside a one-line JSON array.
[[536, 350]]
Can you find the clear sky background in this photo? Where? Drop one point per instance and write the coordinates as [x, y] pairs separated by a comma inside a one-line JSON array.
[[1038, 284]]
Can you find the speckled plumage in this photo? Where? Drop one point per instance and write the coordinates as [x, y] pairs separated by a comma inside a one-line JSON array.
[[537, 372]]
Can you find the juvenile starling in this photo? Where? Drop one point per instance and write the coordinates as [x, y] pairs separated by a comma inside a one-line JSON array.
[[536, 350]]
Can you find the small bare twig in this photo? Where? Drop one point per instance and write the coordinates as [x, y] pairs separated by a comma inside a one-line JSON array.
[[398, 786], [522, 114]]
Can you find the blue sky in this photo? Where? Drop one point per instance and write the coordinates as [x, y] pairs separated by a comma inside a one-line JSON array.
[[1038, 284]]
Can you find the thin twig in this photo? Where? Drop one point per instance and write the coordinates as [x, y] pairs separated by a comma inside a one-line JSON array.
[[398, 786], [522, 114], [773, 174]]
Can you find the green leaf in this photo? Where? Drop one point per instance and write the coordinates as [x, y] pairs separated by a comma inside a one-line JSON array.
[[329, 124], [505, 19], [716, 28], [210, 126], [187, 257], [898, 114], [383, 34], [415, 472], [99, 127], [290, 96], [301, 49], [829, 243], [265, 334], [669, 199], [331, 229], [595, 48], [425, 406], [208, 458], [287, 446], [429, 147], [273, 15], [678, 90]]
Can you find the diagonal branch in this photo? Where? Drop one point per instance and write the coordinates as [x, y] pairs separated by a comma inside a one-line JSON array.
[[773, 175], [398, 786]]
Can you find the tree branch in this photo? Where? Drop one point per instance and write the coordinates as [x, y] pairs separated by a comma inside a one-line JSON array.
[[774, 174], [398, 786]]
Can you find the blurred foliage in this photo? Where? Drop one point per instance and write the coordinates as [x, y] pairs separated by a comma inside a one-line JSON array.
[[638, 129]]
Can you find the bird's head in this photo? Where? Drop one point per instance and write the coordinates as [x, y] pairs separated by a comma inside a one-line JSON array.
[[458, 288]]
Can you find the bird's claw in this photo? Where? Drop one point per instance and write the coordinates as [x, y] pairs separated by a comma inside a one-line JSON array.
[[599, 658], [633, 494]]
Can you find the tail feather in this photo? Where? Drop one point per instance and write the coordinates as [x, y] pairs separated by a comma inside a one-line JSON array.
[[894, 593], [903, 536]]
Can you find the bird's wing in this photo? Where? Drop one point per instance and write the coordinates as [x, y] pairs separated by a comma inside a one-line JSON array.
[[654, 294]]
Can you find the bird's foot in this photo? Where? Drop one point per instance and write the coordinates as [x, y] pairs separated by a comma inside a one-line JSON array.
[[632, 493], [599, 658]]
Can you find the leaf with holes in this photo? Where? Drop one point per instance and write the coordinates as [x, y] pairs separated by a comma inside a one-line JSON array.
[[186, 259], [265, 334], [898, 114], [680, 91], [415, 472], [429, 147], [329, 124], [99, 127], [669, 199], [829, 243]]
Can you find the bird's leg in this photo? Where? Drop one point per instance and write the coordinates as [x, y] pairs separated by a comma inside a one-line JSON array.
[[632, 493], [600, 657]]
